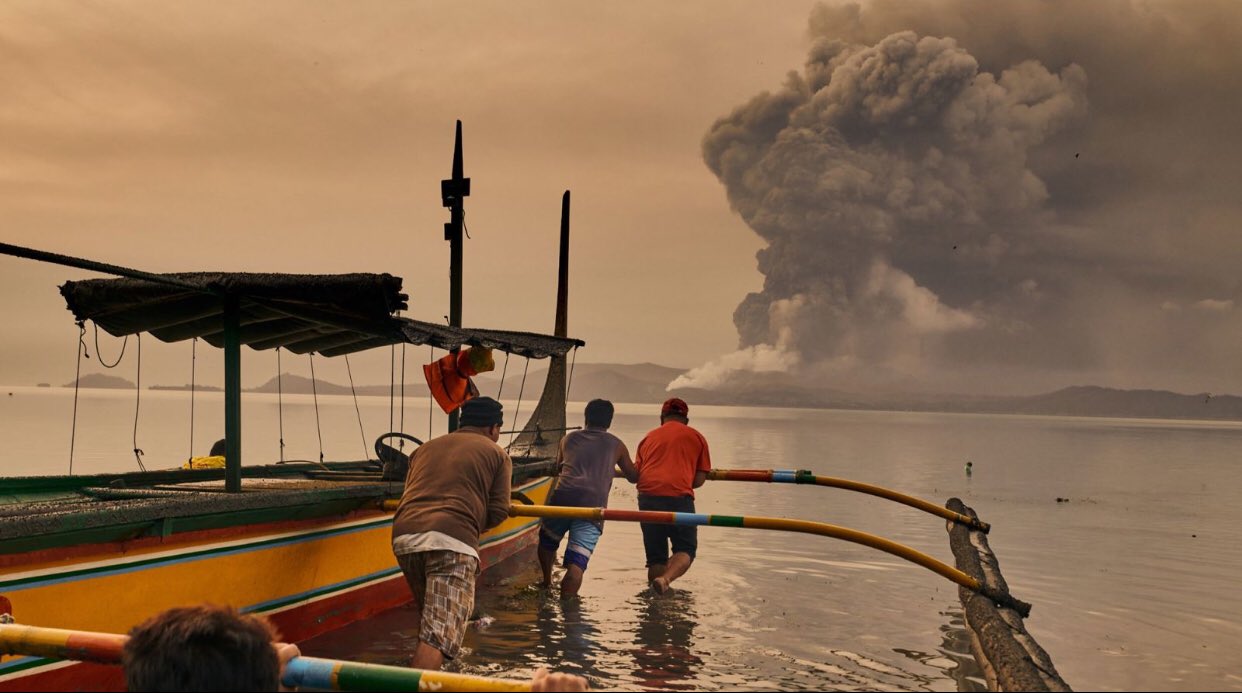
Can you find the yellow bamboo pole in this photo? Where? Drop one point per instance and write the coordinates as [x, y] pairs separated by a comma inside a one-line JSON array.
[[780, 524], [803, 476], [310, 672]]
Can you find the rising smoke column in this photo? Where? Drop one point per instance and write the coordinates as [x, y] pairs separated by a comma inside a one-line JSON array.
[[892, 186]]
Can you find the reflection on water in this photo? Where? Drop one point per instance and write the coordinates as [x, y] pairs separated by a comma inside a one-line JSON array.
[[663, 640], [626, 637], [962, 666]]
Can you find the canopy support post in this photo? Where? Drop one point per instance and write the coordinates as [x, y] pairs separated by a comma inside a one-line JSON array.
[[232, 395]]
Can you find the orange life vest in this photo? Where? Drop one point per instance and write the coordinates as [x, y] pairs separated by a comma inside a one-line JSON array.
[[449, 377]]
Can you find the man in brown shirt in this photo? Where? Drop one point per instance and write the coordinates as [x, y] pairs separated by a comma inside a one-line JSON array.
[[457, 488]]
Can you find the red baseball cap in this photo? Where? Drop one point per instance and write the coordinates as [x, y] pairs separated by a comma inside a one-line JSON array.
[[675, 405]]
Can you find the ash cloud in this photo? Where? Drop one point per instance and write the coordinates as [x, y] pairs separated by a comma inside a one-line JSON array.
[[930, 220]]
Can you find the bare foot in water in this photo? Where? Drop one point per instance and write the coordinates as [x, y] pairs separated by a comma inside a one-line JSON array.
[[659, 585]]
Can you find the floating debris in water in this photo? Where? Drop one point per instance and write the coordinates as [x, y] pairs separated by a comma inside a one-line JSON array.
[[484, 621], [1062, 500]]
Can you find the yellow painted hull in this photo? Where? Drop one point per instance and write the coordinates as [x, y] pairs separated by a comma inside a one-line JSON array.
[[309, 579]]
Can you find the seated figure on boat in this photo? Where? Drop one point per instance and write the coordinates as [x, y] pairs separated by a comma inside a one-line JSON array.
[[586, 461], [457, 487], [205, 648]]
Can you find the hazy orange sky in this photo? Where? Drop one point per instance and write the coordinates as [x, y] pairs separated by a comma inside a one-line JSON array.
[[958, 195]]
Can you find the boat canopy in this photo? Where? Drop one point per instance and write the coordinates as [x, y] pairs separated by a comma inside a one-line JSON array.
[[331, 314]]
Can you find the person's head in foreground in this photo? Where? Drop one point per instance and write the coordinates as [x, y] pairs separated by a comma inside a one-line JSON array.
[[202, 648]]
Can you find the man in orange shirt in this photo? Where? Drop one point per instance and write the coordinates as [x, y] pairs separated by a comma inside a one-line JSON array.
[[673, 460]]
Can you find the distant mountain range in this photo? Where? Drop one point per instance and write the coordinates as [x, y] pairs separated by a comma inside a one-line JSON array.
[[646, 382]]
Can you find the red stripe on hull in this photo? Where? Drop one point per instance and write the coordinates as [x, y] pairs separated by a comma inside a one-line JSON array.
[[308, 620], [77, 677]]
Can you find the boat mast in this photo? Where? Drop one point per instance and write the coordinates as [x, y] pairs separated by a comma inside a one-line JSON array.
[[561, 328], [452, 192]]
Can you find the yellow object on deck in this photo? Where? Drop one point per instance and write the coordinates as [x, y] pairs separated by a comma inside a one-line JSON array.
[[208, 462]]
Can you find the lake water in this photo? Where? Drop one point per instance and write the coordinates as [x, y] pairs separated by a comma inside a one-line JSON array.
[[1133, 580]]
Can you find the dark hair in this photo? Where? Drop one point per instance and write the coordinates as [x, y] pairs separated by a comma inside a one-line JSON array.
[[483, 412], [219, 448], [202, 648], [599, 413]]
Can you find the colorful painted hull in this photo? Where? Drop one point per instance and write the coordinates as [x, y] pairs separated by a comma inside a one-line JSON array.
[[307, 576]]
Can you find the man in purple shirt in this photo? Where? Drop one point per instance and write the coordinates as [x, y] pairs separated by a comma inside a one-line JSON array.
[[587, 461]]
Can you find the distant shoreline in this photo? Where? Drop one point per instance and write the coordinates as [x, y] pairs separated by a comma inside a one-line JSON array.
[[646, 383]]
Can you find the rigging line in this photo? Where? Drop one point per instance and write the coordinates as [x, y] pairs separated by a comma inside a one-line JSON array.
[[502, 377], [570, 381], [137, 402], [77, 376], [315, 393], [350, 371], [193, 363], [431, 403], [100, 354], [401, 441], [280, 406], [518, 408], [392, 384]]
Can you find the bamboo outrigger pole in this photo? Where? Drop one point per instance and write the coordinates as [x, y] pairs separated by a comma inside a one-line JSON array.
[[805, 476], [308, 672], [782, 524]]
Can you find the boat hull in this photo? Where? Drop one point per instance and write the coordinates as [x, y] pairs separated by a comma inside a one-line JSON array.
[[308, 577]]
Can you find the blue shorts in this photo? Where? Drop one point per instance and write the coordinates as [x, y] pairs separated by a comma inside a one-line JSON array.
[[583, 536]]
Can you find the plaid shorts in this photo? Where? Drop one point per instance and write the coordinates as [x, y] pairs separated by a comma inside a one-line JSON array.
[[443, 587]]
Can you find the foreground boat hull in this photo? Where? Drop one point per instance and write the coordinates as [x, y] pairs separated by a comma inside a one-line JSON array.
[[308, 577]]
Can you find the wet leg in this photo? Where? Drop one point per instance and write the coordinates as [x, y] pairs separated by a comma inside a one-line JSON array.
[[546, 559], [676, 567], [427, 657], [572, 582]]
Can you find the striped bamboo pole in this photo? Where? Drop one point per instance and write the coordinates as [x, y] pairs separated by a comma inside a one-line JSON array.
[[780, 524], [309, 672], [804, 476]]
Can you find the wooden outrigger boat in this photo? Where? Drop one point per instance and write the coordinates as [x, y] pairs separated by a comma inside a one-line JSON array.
[[308, 544]]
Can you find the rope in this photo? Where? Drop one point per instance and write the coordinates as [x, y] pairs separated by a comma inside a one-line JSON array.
[[392, 384], [280, 406], [518, 408], [137, 402], [77, 375], [100, 354], [401, 441], [502, 377], [315, 393], [350, 371], [570, 380], [193, 363], [431, 402]]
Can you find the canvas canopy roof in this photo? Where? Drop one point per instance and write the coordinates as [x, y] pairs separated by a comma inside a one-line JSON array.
[[328, 314]]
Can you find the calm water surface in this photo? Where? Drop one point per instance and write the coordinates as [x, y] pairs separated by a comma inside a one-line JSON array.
[[1133, 580]]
